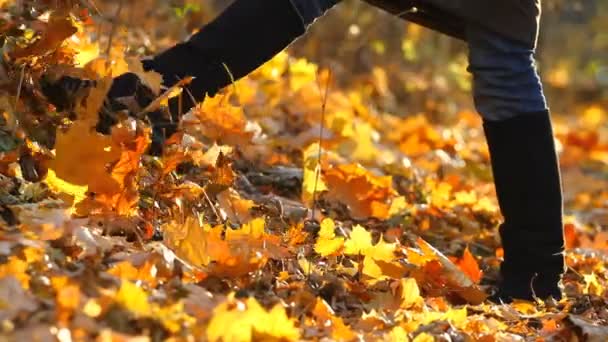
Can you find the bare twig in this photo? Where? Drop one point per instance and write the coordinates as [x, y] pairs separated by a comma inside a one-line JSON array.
[[320, 150], [156, 103], [19, 87], [213, 208], [115, 22]]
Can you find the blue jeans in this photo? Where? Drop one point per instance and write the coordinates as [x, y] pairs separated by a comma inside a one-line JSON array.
[[505, 81]]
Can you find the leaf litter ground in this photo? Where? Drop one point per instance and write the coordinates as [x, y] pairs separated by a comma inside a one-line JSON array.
[[286, 208]]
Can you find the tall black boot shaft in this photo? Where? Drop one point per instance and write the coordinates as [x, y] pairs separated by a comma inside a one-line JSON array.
[[243, 37], [528, 187]]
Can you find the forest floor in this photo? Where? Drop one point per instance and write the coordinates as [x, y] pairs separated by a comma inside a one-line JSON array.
[[286, 208]]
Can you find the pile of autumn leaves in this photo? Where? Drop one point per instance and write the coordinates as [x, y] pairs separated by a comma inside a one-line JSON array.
[[238, 262]]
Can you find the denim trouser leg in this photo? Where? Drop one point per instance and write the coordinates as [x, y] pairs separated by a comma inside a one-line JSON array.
[[310, 10], [505, 81]]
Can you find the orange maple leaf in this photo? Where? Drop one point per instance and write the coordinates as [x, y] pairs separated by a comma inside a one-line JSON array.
[[364, 193], [469, 266]]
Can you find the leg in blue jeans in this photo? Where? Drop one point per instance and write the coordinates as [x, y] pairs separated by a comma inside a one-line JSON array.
[[509, 96], [505, 81]]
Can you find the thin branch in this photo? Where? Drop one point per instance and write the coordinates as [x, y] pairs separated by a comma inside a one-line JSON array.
[[19, 87], [320, 150], [115, 22]]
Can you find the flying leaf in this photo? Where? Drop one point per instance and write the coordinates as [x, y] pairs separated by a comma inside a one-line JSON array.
[[76, 193], [222, 122], [469, 265]]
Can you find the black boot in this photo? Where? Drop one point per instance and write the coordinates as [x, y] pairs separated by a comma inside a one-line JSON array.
[[528, 187], [243, 37]]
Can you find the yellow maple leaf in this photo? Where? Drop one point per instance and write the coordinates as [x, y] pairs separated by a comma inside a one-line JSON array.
[[83, 156], [195, 242], [381, 251], [410, 293], [17, 268], [133, 298], [86, 52], [397, 334], [359, 242], [126, 271], [329, 247], [301, 73], [251, 230], [379, 270], [173, 316], [424, 337], [361, 146], [273, 68], [247, 320], [222, 122], [327, 243], [76, 192], [312, 179]]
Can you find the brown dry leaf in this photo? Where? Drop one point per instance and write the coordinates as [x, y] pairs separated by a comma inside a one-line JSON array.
[[326, 319], [46, 220], [14, 299], [235, 208], [591, 332], [58, 29], [210, 157], [223, 175]]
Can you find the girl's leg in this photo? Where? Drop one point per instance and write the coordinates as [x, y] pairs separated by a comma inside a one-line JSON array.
[[243, 37], [509, 96]]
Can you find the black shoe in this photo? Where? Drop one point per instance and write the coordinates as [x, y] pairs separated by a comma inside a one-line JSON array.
[[528, 187], [243, 37]]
